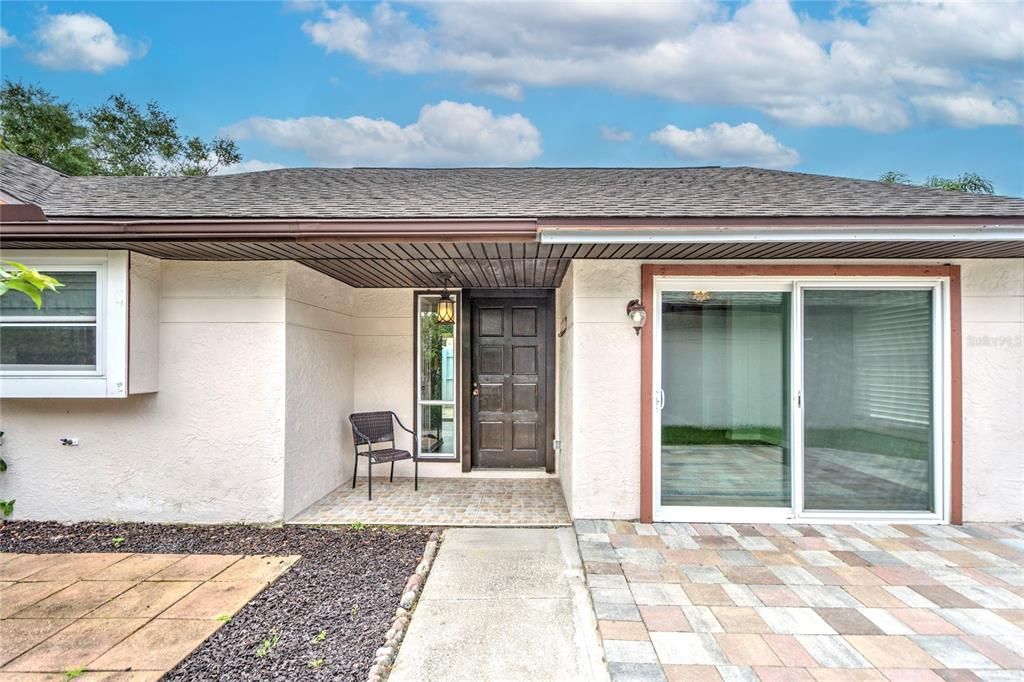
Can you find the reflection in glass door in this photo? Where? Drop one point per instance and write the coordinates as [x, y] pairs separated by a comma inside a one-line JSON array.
[[724, 407], [845, 420], [868, 385]]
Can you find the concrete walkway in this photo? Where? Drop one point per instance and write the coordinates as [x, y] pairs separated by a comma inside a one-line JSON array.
[[503, 604]]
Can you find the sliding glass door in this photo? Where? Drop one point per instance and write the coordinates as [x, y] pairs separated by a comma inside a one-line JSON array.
[[779, 399], [724, 418]]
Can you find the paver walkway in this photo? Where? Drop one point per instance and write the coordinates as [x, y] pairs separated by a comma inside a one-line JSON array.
[[503, 604], [444, 502], [119, 612], [684, 601]]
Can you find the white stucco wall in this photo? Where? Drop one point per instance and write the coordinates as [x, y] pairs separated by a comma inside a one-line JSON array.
[[564, 320], [993, 395], [605, 367], [207, 447], [604, 422], [318, 386]]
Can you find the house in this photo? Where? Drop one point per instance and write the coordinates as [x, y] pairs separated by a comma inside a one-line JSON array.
[[723, 344]]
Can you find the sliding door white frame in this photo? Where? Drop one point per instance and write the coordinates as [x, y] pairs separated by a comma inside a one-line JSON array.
[[941, 404]]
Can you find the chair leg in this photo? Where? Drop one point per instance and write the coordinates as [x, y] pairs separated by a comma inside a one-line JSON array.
[[369, 478], [392, 479], [416, 473], [355, 470]]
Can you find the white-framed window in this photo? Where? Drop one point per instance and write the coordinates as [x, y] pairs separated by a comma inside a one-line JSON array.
[[437, 380], [75, 345]]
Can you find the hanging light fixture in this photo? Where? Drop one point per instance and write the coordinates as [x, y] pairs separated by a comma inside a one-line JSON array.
[[446, 305]]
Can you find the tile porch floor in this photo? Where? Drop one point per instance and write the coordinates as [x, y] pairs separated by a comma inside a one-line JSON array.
[[798, 602], [464, 501], [110, 613]]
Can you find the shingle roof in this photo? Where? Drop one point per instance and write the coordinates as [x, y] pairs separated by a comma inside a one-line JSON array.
[[24, 178], [366, 193]]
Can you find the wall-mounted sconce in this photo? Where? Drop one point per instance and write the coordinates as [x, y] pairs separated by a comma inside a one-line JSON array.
[[637, 313]]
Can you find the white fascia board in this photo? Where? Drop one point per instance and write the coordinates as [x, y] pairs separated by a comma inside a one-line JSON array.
[[703, 235]]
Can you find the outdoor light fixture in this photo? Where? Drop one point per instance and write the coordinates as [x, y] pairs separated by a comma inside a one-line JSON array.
[[446, 306], [637, 314], [701, 296]]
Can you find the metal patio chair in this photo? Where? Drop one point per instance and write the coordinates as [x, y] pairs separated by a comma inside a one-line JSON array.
[[374, 428]]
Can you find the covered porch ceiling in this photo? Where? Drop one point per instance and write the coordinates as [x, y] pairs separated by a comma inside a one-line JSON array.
[[499, 264]]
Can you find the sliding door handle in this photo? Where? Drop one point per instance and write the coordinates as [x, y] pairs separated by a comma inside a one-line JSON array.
[[659, 399]]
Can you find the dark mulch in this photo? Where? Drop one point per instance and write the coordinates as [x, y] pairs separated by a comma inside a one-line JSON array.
[[347, 584]]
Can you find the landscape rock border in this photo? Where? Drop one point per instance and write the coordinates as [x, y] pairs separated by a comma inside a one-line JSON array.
[[385, 656]]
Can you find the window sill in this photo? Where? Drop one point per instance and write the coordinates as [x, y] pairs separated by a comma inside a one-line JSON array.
[[61, 387]]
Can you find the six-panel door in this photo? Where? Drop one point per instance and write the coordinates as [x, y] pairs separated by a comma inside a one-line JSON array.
[[509, 397]]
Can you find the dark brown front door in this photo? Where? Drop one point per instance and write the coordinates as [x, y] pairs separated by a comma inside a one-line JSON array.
[[510, 381]]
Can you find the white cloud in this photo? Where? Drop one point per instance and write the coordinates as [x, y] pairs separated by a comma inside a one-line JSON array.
[[7, 39], [250, 166], [968, 111], [445, 134], [721, 143], [612, 134], [867, 70], [304, 5], [82, 42], [513, 91]]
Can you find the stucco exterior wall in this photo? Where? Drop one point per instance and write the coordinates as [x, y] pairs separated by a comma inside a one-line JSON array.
[[605, 366], [207, 447], [564, 320], [604, 422], [319, 354], [993, 364]]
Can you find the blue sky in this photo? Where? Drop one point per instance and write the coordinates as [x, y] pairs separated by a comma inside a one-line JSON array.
[[844, 89]]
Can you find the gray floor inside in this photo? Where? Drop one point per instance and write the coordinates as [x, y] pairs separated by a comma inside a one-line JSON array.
[[503, 604], [755, 475]]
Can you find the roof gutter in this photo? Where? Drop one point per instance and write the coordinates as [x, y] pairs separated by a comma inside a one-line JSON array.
[[275, 230], [745, 234]]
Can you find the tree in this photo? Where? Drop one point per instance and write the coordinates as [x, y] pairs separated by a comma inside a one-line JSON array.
[[116, 138], [34, 124], [125, 140], [972, 183]]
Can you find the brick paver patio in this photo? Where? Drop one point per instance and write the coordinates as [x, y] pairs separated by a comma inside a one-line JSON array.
[[681, 601], [444, 502], [108, 613]]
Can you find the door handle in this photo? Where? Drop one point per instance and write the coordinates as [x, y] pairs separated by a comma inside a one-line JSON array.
[[659, 399], [476, 388]]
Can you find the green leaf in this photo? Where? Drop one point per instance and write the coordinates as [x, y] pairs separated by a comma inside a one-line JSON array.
[[27, 289], [3, 464]]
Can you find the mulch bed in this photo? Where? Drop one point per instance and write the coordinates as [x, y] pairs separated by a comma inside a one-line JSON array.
[[347, 585]]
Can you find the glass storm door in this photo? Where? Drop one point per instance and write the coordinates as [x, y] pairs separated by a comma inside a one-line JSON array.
[[724, 407], [778, 399]]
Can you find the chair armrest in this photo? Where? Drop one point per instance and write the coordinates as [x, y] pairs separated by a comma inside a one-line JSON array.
[[406, 428], [363, 439]]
